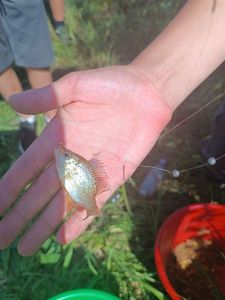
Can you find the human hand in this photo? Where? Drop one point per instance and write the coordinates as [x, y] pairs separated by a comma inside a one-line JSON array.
[[115, 111]]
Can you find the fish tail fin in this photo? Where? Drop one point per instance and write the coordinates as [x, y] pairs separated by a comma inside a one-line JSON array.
[[93, 211], [100, 174]]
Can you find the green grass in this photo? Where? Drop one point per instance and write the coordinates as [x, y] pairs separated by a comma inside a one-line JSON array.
[[8, 137], [102, 258], [116, 253]]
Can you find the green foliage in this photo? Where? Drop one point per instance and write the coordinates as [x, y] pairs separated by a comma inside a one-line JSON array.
[[108, 32], [8, 137], [101, 258], [108, 258], [89, 25]]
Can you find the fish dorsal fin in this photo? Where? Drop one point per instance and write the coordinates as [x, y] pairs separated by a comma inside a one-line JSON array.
[[98, 168]]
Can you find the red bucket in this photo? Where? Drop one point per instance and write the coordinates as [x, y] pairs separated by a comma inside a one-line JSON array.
[[183, 224]]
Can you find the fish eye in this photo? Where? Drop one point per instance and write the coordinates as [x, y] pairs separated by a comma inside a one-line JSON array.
[[66, 155]]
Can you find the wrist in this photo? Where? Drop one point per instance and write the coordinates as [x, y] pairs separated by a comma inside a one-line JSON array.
[[187, 51], [152, 86], [161, 71]]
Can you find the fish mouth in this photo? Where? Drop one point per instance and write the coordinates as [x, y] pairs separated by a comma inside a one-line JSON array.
[[60, 147], [59, 150]]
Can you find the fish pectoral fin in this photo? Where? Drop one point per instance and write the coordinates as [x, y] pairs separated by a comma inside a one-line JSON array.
[[101, 177], [93, 211], [70, 205]]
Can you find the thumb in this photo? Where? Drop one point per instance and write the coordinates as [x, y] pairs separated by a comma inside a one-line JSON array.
[[41, 100]]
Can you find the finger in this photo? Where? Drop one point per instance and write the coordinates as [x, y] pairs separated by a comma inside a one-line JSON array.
[[55, 95], [73, 227], [45, 225], [29, 165], [32, 202], [77, 224]]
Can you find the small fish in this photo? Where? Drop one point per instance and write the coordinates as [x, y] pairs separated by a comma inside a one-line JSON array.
[[83, 180]]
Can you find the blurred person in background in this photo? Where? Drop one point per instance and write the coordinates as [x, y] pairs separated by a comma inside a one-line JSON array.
[[25, 42], [214, 145]]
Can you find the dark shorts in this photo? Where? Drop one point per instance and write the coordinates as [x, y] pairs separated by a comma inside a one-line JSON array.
[[24, 35]]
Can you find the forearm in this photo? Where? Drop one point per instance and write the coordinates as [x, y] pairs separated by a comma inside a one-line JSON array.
[[188, 50]]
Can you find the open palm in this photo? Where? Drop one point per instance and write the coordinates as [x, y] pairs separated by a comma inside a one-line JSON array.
[[114, 112]]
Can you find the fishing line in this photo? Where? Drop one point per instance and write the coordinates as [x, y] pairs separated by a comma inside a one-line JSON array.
[[176, 173], [193, 114], [211, 160]]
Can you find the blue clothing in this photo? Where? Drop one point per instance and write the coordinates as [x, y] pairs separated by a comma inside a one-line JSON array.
[[24, 35]]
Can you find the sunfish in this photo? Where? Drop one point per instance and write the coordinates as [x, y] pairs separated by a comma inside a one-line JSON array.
[[82, 180]]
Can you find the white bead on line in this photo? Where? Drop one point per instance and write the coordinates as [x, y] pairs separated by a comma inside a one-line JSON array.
[[211, 161], [175, 173]]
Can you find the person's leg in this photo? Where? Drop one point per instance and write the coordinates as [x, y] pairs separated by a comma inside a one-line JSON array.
[[39, 78], [57, 9], [29, 48], [58, 19], [9, 83]]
